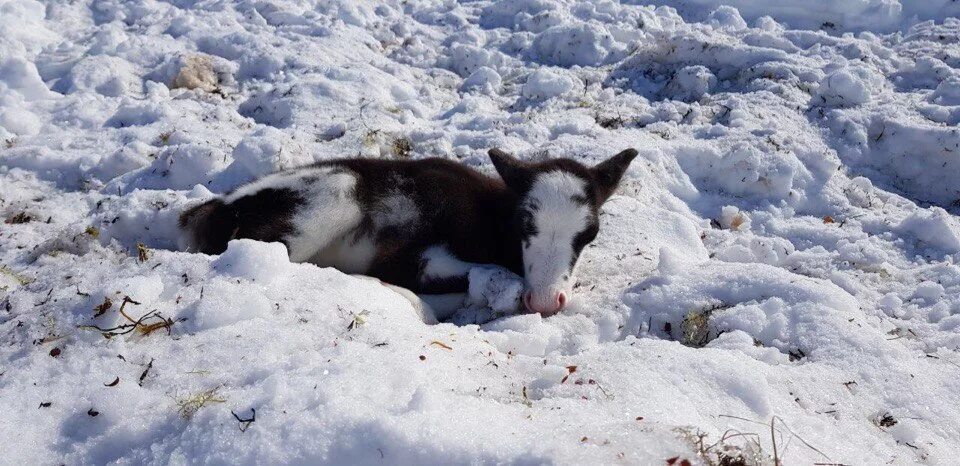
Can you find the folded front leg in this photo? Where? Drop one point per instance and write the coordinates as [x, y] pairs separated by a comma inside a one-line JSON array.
[[486, 285], [441, 272]]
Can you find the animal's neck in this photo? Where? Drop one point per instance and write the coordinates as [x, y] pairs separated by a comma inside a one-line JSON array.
[[505, 240]]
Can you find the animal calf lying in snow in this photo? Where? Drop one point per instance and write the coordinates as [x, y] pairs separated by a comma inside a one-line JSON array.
[[424, 224]]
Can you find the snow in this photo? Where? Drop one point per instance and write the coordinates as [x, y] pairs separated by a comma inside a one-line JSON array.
[[498, 289], [843, 88], [252, 260], [485, 79], [693, 82], [573, 44], [840, 15], [785, 249], [732, 218], [544, 84], [935, 227], [726, 17]]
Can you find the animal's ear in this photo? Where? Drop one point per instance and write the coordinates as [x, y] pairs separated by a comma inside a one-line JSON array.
[[515, 173], [608, 173]]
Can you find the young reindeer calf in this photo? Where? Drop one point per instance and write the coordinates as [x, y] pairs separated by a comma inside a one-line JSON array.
[[423, 224]]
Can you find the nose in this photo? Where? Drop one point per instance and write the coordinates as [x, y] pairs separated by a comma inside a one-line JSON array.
[[553, 303]]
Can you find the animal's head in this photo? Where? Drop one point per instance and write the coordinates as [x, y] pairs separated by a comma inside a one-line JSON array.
[[557, 216]]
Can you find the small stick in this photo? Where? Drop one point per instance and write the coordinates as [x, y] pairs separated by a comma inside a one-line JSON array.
[[126, 299], [773, 438], [145, 371], [245, 423]]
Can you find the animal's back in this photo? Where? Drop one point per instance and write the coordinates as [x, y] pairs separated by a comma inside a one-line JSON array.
[[366, 216]]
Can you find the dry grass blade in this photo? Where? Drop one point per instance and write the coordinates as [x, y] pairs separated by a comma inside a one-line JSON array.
[[724, 453], [162, 324], [773, 429], [19, 278], [441, 344], [102, 307], [773, 438], [190, 405], [358, 319], [22, 217], [402, 147], [143, 325], [143, 252]]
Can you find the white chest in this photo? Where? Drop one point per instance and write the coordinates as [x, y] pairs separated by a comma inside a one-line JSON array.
[[348, 254]]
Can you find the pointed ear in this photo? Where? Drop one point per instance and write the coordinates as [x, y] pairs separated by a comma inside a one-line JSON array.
[[608, 173], [514, 172]]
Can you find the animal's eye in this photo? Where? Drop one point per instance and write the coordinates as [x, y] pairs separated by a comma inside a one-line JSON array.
[[585, 237], [526, 223]]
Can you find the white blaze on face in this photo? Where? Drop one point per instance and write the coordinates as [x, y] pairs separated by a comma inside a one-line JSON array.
[[558, 210]]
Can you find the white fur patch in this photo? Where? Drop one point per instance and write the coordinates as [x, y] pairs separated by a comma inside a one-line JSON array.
[[323, 225], [348, 254], [558, 217], [331, 211], [440, 263], [283, 180], [395, 210]]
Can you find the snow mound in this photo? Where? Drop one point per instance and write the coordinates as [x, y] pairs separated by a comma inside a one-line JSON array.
[[483, 78], [228, 303], [265, 151], [774, 307], [137, 114], [545, 84], [726, 17], [934, 227], [143, 216], [843, 88], [947, 92], [916, 157], [574, 44], [179, 166], [106, 75], [693, 82], [19, 121], [22, 76], [253, 260]]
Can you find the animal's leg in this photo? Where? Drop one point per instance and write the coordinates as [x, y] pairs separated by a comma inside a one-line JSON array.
[[448, 280], [441, 272], [430, 308]]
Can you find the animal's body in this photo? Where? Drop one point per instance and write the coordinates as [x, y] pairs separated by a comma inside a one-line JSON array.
[[422, 224]]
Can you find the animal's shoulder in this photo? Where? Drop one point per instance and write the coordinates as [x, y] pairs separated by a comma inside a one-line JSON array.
[[455, 172]]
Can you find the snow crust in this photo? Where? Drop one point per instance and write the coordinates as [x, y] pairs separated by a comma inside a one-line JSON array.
[[785, 249]]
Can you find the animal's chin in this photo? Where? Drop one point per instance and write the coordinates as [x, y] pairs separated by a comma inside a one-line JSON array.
[[545, 313]]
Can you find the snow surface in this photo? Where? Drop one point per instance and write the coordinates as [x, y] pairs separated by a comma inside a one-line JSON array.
[[785, 249]]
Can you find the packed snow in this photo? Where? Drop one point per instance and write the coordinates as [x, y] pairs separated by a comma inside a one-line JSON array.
[[778, 278]]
